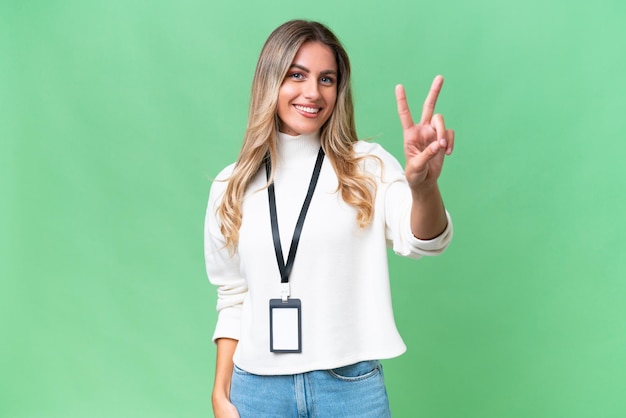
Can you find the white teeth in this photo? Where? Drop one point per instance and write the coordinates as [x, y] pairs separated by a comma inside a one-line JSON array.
[[307, 109]]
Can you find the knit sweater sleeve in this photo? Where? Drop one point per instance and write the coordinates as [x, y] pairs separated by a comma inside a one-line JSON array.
[[393, 198], [223, 268]]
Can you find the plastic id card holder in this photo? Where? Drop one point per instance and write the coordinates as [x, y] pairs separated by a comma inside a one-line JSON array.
[[285, 326]]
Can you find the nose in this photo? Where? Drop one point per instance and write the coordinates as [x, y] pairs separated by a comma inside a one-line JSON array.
[[311, 90]]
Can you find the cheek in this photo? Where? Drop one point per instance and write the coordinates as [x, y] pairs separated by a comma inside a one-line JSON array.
[[331, 100], [285, 95], [283, 100]]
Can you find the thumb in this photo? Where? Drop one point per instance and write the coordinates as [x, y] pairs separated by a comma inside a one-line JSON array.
[[433, 150]]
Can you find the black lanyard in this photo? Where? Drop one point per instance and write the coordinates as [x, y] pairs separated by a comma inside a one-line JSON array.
[[285, 269]]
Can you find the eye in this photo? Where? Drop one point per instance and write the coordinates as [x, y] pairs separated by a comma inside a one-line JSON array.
[[328, 81], [296, 76]]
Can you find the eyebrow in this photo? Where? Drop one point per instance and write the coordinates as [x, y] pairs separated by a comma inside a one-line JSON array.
[[303, 68]]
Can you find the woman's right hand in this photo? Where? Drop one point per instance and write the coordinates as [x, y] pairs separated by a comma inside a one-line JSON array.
[[224, 409]]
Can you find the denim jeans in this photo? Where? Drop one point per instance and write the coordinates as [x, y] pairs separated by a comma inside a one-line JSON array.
[[355, 391]]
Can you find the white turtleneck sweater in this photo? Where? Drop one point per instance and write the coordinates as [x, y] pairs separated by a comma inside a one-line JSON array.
[[340, 271]]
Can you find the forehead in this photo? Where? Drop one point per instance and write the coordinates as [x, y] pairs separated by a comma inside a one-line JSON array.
[[316, 56]]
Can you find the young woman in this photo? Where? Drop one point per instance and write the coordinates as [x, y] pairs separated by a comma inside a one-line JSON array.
[[297, 232]]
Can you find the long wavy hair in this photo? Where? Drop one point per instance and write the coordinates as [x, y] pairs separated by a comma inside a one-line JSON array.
[[338, 134]]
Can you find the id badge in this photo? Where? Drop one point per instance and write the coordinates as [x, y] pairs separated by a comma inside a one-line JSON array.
[[285, 326]]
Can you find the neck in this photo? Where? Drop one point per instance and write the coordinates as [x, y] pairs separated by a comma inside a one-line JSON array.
[[292, 149]]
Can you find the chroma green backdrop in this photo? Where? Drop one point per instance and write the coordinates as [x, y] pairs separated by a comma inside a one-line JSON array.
[[114, 116]]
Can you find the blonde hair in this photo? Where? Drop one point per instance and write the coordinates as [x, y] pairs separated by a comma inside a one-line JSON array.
[[338, 134]]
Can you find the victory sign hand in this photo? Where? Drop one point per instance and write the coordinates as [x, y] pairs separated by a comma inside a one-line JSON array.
[[426, 143]]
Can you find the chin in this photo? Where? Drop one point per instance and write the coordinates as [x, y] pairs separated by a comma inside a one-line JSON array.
[[309, 131], [296, 131]]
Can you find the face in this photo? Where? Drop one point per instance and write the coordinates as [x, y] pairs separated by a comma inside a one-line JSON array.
[[307, 97]]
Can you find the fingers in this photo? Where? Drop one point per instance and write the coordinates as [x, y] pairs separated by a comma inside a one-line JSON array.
[[450, 140], [444, 136], [403, 108], [436, 148], [420, 161], [431, 100], [439, 125]]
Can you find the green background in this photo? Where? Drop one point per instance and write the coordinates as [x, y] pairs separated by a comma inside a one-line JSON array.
[[114, 116]]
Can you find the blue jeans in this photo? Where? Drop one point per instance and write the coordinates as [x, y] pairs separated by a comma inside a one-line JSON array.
[[355, 391]]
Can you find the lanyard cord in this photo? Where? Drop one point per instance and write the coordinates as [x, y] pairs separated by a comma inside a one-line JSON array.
[[285, 269]]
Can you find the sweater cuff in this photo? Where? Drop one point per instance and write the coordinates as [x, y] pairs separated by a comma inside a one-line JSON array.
[[228, 323], [436, 245]]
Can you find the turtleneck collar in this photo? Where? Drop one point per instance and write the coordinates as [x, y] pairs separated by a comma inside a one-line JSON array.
[[293, 148]]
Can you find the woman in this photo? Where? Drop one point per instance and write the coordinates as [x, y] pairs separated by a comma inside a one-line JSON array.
[[314, 350]]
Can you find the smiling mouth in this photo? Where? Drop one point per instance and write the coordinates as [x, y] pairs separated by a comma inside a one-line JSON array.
[[307, 109]]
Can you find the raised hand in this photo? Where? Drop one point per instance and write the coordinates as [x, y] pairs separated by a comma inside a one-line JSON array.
[[426, 143]]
